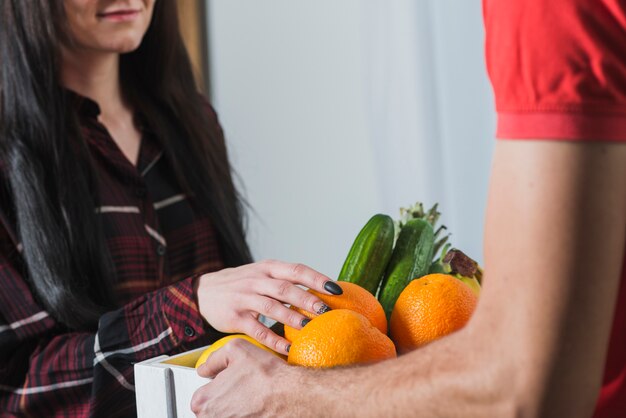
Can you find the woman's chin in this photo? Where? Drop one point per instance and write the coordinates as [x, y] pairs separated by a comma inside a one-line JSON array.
[[125, 47]]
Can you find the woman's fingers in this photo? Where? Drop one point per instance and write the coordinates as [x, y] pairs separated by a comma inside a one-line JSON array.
[[265, 336], [275, 310], [287, 292], [301, 274]]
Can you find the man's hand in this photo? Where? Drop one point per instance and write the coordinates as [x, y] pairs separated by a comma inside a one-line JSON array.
[[247, 381]]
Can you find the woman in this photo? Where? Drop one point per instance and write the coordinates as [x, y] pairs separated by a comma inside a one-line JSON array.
[[121, 230]]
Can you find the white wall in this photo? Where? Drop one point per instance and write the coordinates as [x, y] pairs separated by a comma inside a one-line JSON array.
[[297, 89], [467, 117]]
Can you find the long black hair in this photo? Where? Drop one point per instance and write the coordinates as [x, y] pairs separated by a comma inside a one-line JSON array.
[[48, 165]]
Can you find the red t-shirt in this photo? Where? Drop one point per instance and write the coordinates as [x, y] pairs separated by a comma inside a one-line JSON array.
[[558, 69]]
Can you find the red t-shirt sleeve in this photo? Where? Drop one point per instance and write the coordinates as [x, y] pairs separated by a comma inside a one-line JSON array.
[[558, 68]]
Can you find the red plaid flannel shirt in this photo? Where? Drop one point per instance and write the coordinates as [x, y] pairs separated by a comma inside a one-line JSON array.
[[158, 244]]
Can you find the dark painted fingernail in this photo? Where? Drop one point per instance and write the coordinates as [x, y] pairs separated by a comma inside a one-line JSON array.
[[304, 322], [333, 288], [323, 309], [288, 347]]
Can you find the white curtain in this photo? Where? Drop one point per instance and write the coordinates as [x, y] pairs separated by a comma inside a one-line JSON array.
[[430, 109], [336, 110]]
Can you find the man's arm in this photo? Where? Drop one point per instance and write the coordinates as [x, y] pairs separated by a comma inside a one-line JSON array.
[[554, 245]]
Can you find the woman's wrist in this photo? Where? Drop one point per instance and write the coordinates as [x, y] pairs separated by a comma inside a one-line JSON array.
[[199, 284]]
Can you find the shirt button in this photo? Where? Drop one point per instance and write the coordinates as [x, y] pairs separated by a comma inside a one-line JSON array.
[[160, 250], [140, 192], [190, 332]]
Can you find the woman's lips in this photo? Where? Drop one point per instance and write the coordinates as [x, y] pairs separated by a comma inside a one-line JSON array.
[[119, 15]]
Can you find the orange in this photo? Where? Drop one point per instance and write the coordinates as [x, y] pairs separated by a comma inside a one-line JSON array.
[[222, 341], [355, 298], [429, 308], [337, 338]]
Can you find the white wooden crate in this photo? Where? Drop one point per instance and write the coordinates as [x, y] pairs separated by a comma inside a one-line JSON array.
[[164, 385]]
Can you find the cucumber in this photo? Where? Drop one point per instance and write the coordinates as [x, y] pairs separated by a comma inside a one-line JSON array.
[[370, 253], [410, 260]]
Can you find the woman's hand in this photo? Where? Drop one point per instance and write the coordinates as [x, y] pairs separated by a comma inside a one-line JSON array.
[[232, 299]]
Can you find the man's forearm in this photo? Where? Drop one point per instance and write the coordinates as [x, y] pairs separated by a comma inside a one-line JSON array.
[[461, 375], [536, 343]]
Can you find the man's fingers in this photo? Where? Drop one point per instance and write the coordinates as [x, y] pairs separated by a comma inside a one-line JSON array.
[[221, 358], [198, 400], [217, 361]]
